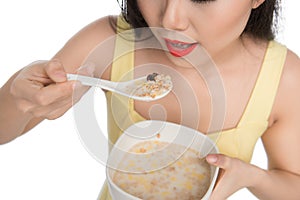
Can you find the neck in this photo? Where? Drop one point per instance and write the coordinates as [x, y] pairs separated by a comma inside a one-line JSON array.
[[240, 51], [227, 54]]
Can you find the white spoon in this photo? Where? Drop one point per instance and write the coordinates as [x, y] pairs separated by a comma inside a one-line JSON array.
[[144, 88]]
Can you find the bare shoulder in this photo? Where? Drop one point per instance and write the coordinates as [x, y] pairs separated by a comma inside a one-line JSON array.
[[292, 68], [99, 29], [290, 81], [82, 44], [288, 96]]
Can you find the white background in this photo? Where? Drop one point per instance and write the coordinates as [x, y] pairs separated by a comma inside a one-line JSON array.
[[50, 162]]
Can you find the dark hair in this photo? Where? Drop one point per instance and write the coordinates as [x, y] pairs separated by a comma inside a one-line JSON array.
[[262, 24], [263, 21]]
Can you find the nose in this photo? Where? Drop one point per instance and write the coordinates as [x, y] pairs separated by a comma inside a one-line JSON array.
[[174, 15]]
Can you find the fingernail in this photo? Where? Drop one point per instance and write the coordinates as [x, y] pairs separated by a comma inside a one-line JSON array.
[[212, 158], [59, 76]]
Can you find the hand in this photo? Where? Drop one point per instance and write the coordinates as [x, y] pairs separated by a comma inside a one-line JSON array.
[[42, 90], [235, 174]]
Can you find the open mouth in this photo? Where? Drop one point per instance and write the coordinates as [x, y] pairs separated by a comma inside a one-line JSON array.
[[179, 48]]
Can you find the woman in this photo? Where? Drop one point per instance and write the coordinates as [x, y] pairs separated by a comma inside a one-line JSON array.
[[232, 37]]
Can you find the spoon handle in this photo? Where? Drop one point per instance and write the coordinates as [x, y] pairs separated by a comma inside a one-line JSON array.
[[96, 82]]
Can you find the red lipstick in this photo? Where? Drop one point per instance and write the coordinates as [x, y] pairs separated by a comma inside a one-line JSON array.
[[179, 48]]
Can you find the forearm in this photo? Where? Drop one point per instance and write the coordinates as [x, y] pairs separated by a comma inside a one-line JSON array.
[[276, 184], [13, 121]]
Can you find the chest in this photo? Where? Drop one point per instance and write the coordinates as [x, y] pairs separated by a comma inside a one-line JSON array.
[[205, 102]]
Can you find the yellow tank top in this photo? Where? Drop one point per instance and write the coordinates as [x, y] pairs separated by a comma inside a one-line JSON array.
[[238, 142]]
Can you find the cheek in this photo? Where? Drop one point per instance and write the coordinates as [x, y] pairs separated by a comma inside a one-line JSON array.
[[232, 26], [151, 10], [224, 23]]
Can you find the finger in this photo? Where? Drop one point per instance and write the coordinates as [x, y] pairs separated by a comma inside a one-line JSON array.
[[56, 71], [45, 111], [219, 160], [43, 96], [221, 193], [72, 89], [230, 177], [68, 102], [36, 72], [225, 187], [54, 92], [59, 112], [24, 88]]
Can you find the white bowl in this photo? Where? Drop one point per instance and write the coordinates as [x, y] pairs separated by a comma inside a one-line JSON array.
[[168, 132]]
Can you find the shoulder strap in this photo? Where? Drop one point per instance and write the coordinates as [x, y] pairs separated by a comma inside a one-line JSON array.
[[120, 108], [262, 98], [123, 63]]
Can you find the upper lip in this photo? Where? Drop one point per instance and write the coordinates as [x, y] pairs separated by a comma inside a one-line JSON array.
[[177, 41]]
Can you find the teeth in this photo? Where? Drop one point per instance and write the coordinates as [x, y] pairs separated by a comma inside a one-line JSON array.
[[181, 46]]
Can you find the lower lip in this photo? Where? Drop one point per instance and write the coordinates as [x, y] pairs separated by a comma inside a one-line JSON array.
[[177, 52]]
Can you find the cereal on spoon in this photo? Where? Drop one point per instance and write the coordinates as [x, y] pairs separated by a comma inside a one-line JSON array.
[[155, 85]]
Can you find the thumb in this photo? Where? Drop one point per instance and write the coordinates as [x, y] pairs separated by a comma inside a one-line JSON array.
[[56, 71], [219, 160]]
